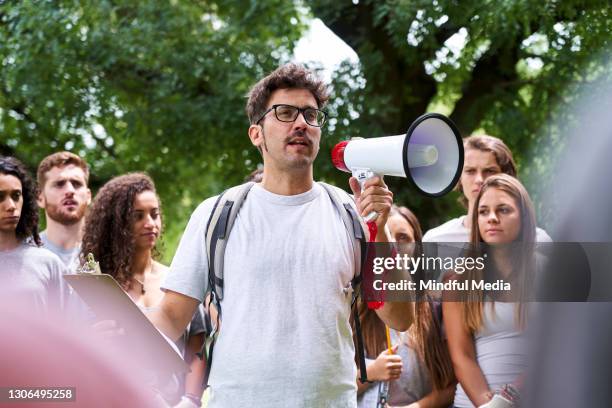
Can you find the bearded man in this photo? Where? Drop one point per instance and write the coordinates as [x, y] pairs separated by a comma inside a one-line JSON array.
[[64, 195]]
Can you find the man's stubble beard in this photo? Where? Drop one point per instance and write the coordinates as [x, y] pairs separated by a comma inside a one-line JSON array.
[[61, 217], [306, 161]]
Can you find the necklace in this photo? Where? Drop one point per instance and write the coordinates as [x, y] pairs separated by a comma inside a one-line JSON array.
[[142, 287], [142, 282]]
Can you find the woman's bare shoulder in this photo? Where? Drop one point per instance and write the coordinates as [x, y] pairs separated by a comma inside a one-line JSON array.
[[159, 270]]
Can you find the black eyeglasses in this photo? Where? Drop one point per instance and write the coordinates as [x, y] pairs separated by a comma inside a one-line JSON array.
[[289, 113]]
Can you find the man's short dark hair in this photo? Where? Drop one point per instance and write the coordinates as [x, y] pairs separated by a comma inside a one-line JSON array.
[[289, 76]]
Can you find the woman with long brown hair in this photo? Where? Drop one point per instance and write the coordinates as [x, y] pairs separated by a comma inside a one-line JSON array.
[[419, 369], [122, 231], [485, 329]]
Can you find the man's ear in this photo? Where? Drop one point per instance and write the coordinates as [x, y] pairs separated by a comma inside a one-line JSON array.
[[88, 197], [256, 135], [40, 200]]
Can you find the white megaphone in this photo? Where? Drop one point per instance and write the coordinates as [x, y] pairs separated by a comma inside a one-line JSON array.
[[429, 155]]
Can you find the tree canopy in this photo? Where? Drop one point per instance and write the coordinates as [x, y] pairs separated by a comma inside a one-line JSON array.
[[496, 67], [140, 86], [160, 86]]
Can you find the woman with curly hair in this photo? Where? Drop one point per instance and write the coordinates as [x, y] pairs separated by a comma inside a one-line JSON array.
[[27, 273], [121, 231]]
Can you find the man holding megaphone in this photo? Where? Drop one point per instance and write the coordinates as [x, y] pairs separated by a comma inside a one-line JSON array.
[[279, 262]]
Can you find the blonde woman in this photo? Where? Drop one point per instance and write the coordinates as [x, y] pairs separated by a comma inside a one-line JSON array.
[[485, 330]]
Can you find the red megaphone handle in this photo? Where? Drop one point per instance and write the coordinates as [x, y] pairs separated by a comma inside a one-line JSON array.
[[373, 229]]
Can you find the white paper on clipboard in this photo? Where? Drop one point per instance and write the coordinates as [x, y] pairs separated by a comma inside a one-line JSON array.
[[110, 302]]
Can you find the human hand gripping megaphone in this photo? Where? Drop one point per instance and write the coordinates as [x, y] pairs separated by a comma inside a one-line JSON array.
[[429, 155]]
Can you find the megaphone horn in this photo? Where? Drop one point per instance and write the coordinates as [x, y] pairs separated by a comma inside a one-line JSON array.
[[429, 155]]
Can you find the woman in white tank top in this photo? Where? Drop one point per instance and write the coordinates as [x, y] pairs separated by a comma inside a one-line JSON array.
[[485, 330]]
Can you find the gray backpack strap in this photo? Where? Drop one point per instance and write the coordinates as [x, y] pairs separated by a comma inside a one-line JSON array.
[[354, 226], [358, 231], [217, 233]]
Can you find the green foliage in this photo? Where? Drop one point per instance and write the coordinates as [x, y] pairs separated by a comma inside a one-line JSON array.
[[140, 86], [499, 67], [160, 86]]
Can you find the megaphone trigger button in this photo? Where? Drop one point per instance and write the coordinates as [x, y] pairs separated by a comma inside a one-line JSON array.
[[371, 217]]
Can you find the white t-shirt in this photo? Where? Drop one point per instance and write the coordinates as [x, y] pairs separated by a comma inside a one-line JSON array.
[[285, 339], [455, 231]]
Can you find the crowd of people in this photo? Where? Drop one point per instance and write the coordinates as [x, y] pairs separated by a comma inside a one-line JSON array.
[[288, 260]]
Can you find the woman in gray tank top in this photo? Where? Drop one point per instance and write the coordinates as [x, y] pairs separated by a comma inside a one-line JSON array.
[[485, 330]]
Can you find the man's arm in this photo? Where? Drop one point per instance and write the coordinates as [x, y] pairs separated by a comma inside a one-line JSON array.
[[194, 379], [187, 279], [397, 315], [378, 198], [174, 313]]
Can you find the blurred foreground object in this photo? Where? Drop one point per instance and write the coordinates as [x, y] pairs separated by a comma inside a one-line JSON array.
[[45, 352], [571, 354]]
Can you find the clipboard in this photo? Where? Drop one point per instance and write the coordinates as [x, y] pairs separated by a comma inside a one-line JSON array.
[[110, 302]]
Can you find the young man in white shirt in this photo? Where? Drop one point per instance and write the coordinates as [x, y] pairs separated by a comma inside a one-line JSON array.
[[285, 337]]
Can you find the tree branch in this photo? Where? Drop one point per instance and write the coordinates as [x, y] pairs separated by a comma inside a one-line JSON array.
[[17, 107], [402, 75], [100, 143], [495, 69], [6, 150]]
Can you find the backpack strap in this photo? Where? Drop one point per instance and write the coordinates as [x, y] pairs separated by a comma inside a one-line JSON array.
[[354, 226], [357, 229], [217, 233]]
